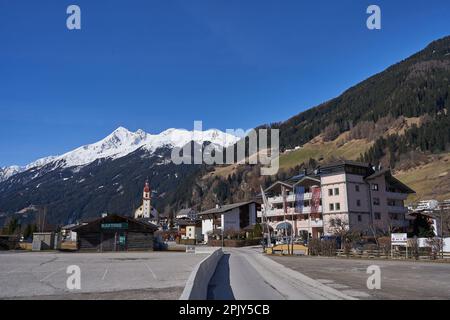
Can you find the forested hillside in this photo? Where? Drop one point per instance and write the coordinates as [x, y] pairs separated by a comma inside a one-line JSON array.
[[398, 118]]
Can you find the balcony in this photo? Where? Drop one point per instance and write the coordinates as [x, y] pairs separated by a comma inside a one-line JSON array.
[[397, 209], [290, 211], [289, 198]]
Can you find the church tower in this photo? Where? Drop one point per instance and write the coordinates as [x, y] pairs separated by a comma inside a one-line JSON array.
[[147, 198]]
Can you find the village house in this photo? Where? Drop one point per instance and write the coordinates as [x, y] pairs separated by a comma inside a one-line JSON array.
[[230, 217]]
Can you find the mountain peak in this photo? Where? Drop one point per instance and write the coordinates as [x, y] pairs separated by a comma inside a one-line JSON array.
[[122, 142]]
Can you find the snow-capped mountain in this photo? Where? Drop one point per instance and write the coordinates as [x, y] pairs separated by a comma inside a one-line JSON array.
[[7, 172], [122, 142]]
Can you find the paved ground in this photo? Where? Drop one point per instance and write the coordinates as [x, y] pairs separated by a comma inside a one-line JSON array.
[[144, 275], [246, 274], [399, 279]]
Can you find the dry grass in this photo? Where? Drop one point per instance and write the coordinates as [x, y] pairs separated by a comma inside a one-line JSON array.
[[318, 149], [430, 181]]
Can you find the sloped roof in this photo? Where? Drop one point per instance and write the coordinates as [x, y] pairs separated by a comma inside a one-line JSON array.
[[128, 219], [389, 177], [225, 208]]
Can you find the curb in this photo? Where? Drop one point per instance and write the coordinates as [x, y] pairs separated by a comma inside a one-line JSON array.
[[315, 287], [197, 285]]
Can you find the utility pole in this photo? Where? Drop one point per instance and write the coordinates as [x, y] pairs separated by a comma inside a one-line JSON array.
[[43, 222], [283, 194], [222, 236], [442, 233]]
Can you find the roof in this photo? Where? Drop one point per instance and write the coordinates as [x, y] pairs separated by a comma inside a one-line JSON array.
[[225, 208], [394, 181], [139, 221], [312, 178], [185, 211], [187, 222], [285, 184], [379, 174]]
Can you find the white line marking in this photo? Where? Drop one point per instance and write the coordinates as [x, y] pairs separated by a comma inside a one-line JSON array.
[[104, 275], [153, 274], [51, 274]]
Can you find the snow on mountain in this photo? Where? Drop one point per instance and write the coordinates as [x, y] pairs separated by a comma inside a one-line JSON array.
[[122, 142], [7, 172]]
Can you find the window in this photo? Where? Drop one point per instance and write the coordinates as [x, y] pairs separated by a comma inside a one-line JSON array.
[[376, 201], [338, 206], [359, 218], [330, 192], [336, 191], [358, 203], [357, 187], [377, 216], [331, 207], [375, 186]]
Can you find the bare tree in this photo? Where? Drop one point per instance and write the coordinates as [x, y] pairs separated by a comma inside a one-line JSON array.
[[340, 229]]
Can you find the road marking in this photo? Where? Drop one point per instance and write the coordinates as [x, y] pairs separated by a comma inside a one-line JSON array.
[[153, 274], [356, 293], [10, 271], [51, 274], [338, 286], [325, 281], [104, 275]]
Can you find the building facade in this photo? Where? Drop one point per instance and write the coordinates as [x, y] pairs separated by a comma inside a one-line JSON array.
[[230, 217], [345, 194], [115, 233]]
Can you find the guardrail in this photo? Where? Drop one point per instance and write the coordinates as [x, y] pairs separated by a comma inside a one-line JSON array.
[[197, 285]]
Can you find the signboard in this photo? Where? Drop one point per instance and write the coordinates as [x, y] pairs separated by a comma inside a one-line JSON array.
[[114, 226], [399, 239], [315, 200]]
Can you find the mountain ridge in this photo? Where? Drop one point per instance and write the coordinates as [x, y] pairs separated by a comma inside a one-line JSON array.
[[398, 117], [122, 142]]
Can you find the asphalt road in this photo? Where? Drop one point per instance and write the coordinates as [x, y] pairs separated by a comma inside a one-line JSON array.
[[140, 275], [246, 274], [399, 279]]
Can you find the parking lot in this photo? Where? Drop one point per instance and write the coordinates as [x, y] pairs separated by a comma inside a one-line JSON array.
[[140, 275], [399, 279]]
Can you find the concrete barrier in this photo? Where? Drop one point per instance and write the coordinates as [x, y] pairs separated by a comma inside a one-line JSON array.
[[197, 285]]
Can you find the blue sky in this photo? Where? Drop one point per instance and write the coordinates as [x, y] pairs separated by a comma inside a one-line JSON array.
[[160, 64]]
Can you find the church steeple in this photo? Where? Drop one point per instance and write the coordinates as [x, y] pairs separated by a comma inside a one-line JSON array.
[[147, 191], [146, 199]]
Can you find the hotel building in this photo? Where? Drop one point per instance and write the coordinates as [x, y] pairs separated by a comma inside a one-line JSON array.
[[343, 194]]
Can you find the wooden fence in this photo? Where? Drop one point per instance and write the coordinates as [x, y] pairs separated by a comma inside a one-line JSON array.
[[382, 254]]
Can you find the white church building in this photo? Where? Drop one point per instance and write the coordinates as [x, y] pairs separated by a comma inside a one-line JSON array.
[[146, 211]]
